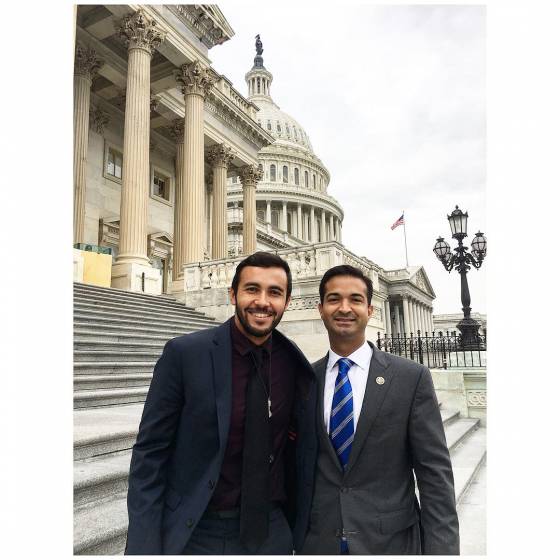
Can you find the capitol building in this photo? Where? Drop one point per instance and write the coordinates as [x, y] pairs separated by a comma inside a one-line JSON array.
[[177, 175]]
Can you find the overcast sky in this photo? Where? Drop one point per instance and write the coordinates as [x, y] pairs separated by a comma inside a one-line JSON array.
[[393, 100]]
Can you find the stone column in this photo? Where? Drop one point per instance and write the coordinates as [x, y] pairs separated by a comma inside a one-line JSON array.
[[398, 329], [299, 222], [323, 226], [285, 215], [268, 217], [220, 157], [312, 225], [86, 64], [331, 223], [425, 327], [339, 231], [131, 270], [196, 82], [387, 318], [406, 313], [209, 210], [250, 176], [177, 130]]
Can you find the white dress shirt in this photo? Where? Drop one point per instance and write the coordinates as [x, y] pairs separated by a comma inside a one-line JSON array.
[[357, 374]]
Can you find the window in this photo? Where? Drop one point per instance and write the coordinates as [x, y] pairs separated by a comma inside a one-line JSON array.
[[260, 215], [285, 174], [260, 167], [314, 183], [275, 217], [289, 216], [161, 185], [306, 179], [278, 127], [258, 85], [114, 163], [296, 176], [287, 130], [268, 125], [273, 172]]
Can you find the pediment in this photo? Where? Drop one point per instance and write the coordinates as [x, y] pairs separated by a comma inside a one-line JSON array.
[[161, 237], [420, 279]]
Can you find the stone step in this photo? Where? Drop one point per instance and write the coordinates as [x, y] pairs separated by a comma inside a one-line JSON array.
[[116, 355], [106, 368], [107, 397], [146, 306], [100, 431], [101, 530], [140, 318], [100, 478], [98, 331], [457, 431], [448, 416], [90, 289], [466, 459], [137, 312], [95, 382], [126, 344], [117, 321]]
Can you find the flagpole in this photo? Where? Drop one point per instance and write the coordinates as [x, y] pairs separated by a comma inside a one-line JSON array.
[[405, 248]]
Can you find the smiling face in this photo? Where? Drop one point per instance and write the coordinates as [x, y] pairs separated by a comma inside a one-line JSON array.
[[260, 301], [345, 311]]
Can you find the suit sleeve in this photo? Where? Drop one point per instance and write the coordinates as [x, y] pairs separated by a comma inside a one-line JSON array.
[[432, 466], [147, 479]]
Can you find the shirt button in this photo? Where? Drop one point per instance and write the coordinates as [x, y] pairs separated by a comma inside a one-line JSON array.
[[271, 458]]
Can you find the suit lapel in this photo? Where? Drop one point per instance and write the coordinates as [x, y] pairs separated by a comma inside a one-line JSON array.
[[373, 399], [222, 371], [321, 370]]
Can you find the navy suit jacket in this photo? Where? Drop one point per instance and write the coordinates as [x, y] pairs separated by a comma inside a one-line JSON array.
[[177, 457]]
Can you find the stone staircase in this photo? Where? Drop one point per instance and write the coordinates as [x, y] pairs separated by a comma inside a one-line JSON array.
[[118, 337]]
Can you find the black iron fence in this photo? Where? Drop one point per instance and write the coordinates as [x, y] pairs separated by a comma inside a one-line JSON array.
[[436, 350]]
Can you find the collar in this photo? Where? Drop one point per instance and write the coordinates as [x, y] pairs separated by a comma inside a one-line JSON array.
[[361, 357]]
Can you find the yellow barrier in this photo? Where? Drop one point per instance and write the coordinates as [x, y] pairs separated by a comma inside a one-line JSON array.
[[97, 269]]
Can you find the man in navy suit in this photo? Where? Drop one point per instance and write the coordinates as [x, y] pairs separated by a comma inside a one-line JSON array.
[[224, 459]]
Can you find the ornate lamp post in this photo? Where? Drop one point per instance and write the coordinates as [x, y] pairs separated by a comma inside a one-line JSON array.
[[461, 261]]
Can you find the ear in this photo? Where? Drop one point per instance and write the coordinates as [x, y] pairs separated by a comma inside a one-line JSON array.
[[320, 309], [369, 311], [231, 296], [288, 300]]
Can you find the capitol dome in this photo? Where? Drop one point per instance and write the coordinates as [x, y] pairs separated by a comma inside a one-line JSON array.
[[292, 194]]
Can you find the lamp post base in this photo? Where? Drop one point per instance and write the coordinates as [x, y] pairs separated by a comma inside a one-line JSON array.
[[469, 338]]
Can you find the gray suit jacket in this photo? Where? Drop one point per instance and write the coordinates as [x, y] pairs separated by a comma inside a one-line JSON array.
[[399, 435]]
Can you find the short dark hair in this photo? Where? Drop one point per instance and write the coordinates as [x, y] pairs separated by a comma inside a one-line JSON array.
[[263, 259], [345, 270]]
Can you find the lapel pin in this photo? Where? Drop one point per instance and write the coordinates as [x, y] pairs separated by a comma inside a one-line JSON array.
[[380, 380]]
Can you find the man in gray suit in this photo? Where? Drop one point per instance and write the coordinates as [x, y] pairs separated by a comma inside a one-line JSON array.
[[379, 426]]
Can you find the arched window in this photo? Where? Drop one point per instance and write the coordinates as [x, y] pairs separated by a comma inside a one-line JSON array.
[[296, 176], [314, 183], [273, 172], [258, 85], [274, 216], [278, 127], [285, 174], [260, 215], [268, 125], [287, 130], [306, 179]]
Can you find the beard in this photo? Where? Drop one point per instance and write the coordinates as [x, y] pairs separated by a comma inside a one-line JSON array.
[[260, 333]]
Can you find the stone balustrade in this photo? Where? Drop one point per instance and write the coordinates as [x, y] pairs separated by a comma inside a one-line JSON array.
[[309, 261]]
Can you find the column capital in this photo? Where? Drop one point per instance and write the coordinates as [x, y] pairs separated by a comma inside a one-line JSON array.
[[86, 61], [177, 131], [99, 119], [194, 79], [139, 32], [250, 175], [220, 155]]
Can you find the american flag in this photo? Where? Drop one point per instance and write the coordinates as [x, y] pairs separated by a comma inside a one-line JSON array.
[[398, 223]]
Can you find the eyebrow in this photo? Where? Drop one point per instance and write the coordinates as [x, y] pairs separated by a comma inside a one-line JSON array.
[[354, 294], [257, 285]]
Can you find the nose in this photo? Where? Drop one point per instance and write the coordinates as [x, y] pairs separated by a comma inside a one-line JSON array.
[[344, 306], [261, 300]]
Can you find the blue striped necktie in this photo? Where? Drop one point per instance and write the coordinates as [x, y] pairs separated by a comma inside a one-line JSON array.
[[342, 421], [342, 413]]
